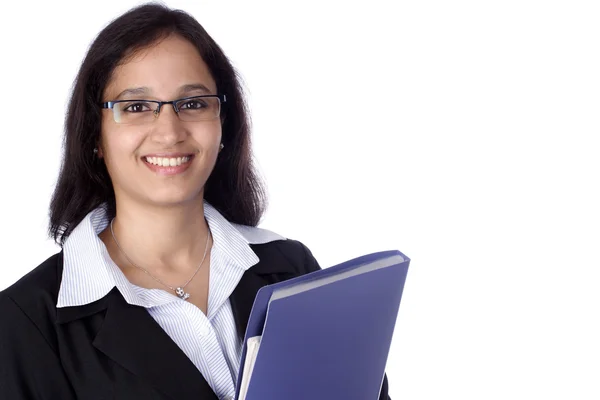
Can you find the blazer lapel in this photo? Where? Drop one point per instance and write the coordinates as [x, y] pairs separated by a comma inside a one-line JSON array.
[[273, 267], [133, 339], [242, 299]]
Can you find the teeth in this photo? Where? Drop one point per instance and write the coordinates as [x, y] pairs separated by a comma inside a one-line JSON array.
[[167, 161]]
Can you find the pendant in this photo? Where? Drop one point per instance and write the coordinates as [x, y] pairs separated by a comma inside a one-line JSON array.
[[181, 293]]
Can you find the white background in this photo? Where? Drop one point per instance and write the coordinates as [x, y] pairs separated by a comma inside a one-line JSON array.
[[462, 133]]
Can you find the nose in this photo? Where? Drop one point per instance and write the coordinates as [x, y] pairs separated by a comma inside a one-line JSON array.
[[167, 128]]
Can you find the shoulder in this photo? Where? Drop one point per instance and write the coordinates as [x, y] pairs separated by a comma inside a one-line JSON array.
[[255, 235], [35, 294], [43, 280], [284, 254], [288, 254]]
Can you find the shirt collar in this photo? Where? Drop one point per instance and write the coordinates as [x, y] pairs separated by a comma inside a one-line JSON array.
[[89, 273]]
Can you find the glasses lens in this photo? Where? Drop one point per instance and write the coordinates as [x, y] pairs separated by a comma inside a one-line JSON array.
[[134, 112], [199, 108]]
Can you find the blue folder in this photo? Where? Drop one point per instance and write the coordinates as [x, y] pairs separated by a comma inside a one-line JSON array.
[[327, 334]]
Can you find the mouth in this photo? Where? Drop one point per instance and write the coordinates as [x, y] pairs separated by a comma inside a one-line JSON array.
[[168, 161], [168, 165]]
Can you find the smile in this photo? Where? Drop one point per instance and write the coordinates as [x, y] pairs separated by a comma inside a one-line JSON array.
[[168, 165], [167, 161]]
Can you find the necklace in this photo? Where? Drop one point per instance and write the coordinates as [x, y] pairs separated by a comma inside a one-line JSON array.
[[178, 290]]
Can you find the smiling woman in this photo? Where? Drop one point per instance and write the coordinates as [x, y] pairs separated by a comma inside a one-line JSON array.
[[144, 141], [156, 210]]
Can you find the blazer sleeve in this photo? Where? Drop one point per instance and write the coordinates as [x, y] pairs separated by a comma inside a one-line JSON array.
[[311, 265], [29, 366]]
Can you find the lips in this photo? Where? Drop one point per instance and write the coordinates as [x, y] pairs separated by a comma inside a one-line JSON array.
[[168, 165], [167, 161]]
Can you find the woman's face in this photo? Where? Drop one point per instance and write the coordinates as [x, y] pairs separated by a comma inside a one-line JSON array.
[[164, 161]]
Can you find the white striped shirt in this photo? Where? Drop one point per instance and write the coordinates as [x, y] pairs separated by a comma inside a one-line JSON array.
[[210, 341]]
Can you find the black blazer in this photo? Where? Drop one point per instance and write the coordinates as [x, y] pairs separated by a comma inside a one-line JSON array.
[[110, 349]]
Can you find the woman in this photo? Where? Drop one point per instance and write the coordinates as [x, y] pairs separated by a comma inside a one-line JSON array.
[[157, 135]]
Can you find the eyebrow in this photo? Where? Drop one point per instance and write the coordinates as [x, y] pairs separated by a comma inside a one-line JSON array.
[[185, 89]]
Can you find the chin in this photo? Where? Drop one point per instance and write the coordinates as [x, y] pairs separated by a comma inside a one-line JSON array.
[[168, 198]]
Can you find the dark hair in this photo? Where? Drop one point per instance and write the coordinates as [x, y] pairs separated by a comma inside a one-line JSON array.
[[83, 184]]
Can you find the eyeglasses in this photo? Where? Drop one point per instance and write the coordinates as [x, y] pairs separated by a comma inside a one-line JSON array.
[[188, 109]]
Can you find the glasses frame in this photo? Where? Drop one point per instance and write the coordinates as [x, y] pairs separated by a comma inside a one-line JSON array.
[[110, 104]]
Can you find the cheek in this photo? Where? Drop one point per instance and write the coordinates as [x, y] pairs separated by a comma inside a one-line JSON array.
[[117, 144], [209, 137]]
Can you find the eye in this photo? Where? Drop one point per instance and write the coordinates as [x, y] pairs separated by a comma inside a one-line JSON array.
[[136, 107], [193, 104]]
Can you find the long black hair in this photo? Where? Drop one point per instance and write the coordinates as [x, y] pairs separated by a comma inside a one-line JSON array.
[[233, 188]]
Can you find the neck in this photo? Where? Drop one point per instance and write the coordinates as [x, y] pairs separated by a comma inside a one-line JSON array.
[[161, 238]]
